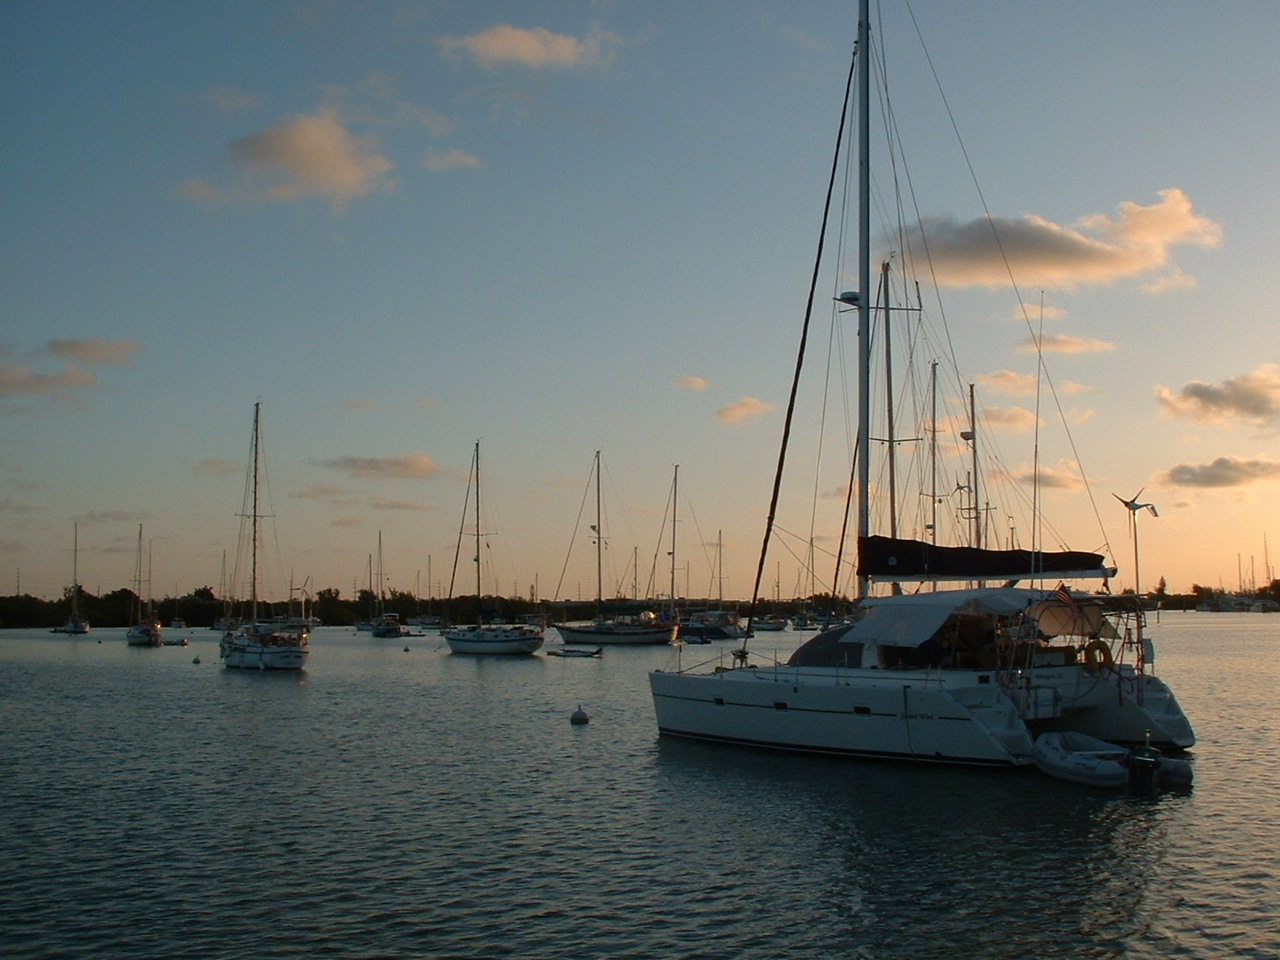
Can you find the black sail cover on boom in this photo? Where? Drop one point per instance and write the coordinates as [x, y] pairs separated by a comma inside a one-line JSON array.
[[884, 558]]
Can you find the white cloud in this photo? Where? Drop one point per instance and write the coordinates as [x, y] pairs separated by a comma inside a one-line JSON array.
[[1015, 384], [299, 158], [320, 491], [96, 351], [440, 160], [1137, 242], [64, 386], [408, 467], [1063, 475], [1062, 343], [381, 504], [535, 47], [1009, 419], [1251, 398], [1222, 472], [16, 379], [742, 410]]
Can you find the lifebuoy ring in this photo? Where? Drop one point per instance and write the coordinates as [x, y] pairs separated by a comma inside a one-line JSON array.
[[1096, 653]]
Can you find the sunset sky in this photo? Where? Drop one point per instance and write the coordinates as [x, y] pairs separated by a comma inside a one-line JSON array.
[[562, 227]]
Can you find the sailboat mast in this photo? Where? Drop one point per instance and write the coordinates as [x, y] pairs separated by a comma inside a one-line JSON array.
[[675, 485], [891, 438], [75, 568], [253, 544], [720, 567], [933, 452], [599, 548], [479, 602], [864, 279], [137, 579], [149, 601], [973, 441]]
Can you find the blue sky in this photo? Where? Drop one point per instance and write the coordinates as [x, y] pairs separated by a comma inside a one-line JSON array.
[[563, 227]]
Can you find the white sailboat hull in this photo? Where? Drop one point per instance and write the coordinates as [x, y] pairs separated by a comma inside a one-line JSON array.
[[493, 639], [953, 716], [144, 635], [616, 634], [256, 656], [250, 650]]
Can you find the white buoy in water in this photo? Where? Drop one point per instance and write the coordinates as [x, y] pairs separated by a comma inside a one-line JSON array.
[[579, 716]]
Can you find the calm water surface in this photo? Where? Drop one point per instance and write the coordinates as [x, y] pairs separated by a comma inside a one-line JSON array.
[[389, 804]]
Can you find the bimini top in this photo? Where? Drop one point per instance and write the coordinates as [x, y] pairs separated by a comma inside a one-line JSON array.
[[908, 621]]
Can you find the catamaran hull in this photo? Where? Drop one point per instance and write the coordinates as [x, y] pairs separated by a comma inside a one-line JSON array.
[[1118, 705], [817, 711], [963, 716]]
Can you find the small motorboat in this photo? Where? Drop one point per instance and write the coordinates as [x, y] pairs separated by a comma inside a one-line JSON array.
[[1080, 758], [575, 652]]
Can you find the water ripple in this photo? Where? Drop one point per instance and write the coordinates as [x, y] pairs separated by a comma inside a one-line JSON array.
[[389, 805]]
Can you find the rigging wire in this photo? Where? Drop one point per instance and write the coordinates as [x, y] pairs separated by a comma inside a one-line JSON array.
[[1022, 306], [804, 336]]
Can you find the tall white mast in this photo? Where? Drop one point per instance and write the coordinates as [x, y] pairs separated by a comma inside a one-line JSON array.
[[864, 279]]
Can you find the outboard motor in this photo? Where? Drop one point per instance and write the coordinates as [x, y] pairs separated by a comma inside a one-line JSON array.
[[1144, 764]]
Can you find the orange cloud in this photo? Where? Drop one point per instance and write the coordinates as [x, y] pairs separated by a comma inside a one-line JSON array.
[[299, 158], [411, 466], [742, 410], [535, 47], [1096, 249], [1061, 343], [1250, 398]]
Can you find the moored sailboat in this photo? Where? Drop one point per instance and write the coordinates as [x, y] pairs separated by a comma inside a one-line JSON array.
[[966, 674], [387, 623], [262, 644], [76, 622], [483, 637], [145, 629], [645, 627]]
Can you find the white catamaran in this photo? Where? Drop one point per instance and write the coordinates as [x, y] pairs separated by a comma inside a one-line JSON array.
[[970, 674]]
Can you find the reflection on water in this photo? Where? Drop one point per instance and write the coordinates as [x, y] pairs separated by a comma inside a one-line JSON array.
[[933, 861], [407, 804]]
